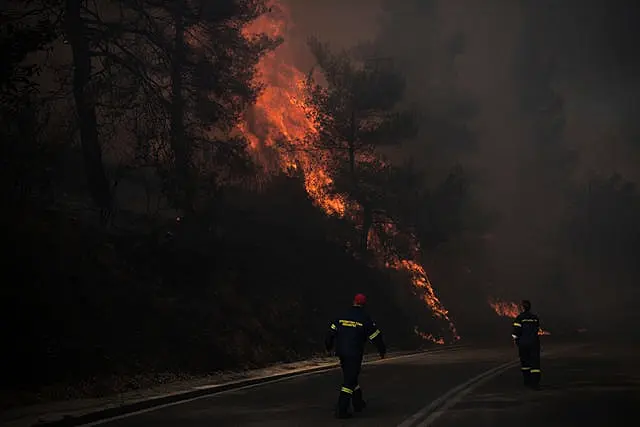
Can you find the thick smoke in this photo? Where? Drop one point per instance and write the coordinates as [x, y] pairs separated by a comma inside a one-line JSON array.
[[529, 96]]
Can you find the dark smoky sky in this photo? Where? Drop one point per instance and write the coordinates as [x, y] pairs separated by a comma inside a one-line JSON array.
[[599, 73], [594, 43], [596, 51]]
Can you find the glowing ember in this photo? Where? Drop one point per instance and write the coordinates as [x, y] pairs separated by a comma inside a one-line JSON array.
[[280, 130]]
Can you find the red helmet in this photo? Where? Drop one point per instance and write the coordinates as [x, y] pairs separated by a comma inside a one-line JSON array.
[[359, 299]]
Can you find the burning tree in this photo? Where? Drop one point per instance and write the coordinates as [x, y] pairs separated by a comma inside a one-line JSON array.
[[292, 123], [195, 67], [355, 111], [329, 135], [175, 76]]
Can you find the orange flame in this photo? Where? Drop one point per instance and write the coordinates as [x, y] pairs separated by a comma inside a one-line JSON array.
[[280, 130], [421, 281], [428, 337], [510, 309], [505, 308], [280, 125]]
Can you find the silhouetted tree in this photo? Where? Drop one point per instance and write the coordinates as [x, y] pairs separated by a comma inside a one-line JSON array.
[[19, 37], [356, 113], [195, 68], [21, 113], [437, 213], [174, 74], [80, 37]]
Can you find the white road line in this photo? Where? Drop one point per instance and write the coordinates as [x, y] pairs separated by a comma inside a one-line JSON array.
[[458, 397], [277, 380], [415, 418], [438, 407]]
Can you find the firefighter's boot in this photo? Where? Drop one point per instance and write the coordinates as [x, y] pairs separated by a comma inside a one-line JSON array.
[[358, 402], [344, 401]]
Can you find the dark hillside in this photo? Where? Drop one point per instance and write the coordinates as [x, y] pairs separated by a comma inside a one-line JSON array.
[[119, 310]]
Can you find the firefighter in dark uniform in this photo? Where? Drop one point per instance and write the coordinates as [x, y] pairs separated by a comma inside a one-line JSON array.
[[350, 333], [526, 328]]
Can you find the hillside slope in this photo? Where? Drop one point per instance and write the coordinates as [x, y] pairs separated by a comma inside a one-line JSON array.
[[94, 312]]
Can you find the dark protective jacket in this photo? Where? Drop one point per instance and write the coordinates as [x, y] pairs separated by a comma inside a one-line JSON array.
[[525, 329], [350, 333]]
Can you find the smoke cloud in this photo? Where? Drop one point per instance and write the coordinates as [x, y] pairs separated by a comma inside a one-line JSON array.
[[578, 58]]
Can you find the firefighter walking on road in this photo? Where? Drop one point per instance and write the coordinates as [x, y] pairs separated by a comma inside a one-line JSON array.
[[350, 333], [526, 328]]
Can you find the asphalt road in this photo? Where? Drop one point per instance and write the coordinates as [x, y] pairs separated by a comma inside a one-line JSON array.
[[583, 385], [597, 385]]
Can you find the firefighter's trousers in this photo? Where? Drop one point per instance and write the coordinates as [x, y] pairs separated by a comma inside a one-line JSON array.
[[350, 391], [530, 364]]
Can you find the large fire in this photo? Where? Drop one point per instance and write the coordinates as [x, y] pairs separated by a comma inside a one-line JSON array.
[[511, 310], [280, 129]]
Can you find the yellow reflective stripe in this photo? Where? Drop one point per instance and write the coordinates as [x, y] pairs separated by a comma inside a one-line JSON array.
[[350, 323], [535, 371], [517, 324], [525, 369], [375, 334], [529, 320], [333, 326], [346, 390]]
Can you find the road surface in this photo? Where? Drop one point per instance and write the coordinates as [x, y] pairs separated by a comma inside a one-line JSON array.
[[583, 385]]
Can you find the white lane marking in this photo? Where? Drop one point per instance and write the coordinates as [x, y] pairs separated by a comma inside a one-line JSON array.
[[249, 386], [439, 406], [458, 397], [411, 421]]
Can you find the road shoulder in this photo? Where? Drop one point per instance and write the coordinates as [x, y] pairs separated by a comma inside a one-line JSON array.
[[98, 408]]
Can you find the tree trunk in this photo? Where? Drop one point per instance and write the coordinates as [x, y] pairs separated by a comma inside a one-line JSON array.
[[179, 144], [367, 214], [86, 109]]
